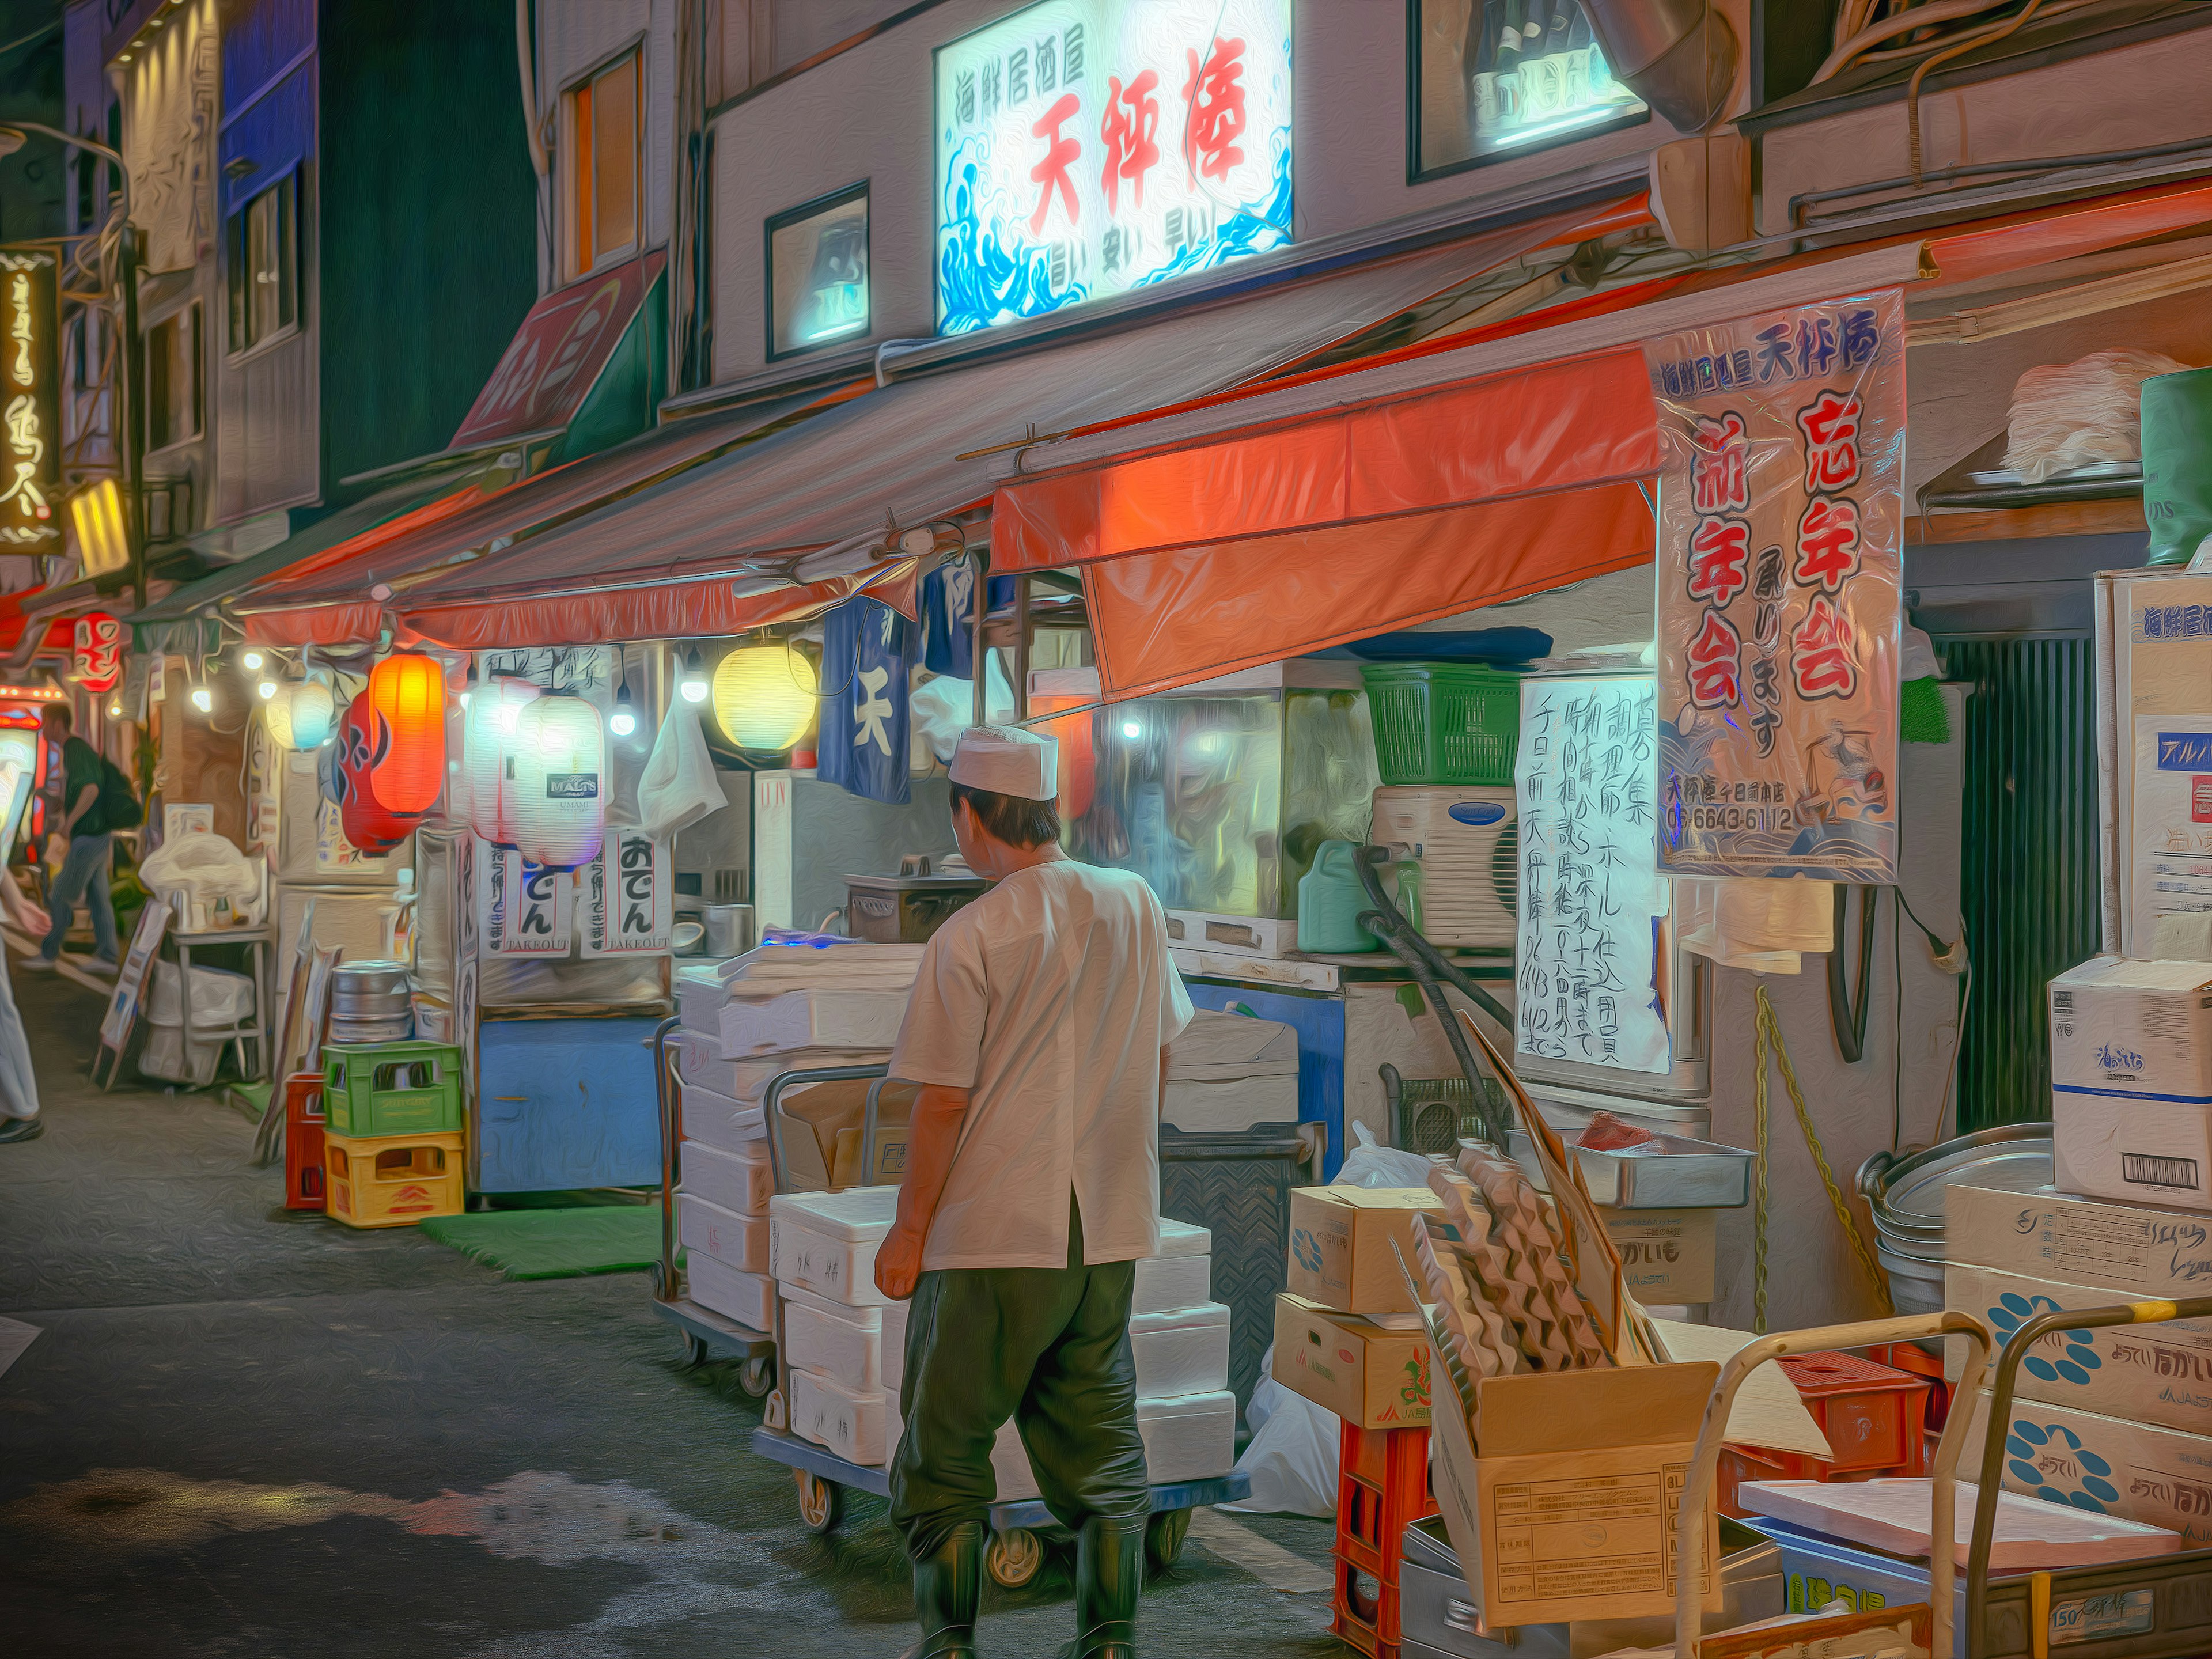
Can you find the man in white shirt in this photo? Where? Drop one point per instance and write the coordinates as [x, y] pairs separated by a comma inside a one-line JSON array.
[[1038, 1028]]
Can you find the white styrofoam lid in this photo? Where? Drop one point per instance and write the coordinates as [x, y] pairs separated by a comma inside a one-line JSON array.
[[2127, 973], [857, 1215], [1215, 1404], [701, 976], [1218, 1046], [1180, 1238], [845, 1313], [1179, 1319], [756, 1151]]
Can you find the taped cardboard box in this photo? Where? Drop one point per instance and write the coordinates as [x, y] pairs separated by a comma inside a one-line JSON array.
[[1569, 1511], [2151, 1151], [2144, 1250], [2138, 1471], [2159, 1374], [1667, 1257], [2133, 1031], [1370, 1376], [1340, 1239]]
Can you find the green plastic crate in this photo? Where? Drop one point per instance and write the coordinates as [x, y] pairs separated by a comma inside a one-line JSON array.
[[1443, 722], [372, 1089]]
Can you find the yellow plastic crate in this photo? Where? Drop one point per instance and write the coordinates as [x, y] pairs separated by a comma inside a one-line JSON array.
[[393, 1181]]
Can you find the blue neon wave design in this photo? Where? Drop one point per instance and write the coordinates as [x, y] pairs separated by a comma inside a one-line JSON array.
[[1247, 232]]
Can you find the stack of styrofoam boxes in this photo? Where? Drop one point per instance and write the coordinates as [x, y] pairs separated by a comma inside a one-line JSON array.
[[1180, 1339], [731, 1045], [823, 1247]]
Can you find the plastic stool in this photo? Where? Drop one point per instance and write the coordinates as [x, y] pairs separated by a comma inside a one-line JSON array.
[[1382, 1488], [304, 1188]]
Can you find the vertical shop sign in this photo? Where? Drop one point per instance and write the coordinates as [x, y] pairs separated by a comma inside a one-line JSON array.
[[629, 896], [1590, 896], [30, 434], [1089, 147], [1780, 576], [524, 909], [96, 654]]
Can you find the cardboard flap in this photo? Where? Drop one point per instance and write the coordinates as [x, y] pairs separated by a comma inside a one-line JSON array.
[[1542, 1412]]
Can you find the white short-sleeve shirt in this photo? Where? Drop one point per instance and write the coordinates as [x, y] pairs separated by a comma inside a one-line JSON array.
[[1050, 997]]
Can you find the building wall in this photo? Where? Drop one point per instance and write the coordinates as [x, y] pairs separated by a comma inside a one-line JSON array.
[[575, 37]]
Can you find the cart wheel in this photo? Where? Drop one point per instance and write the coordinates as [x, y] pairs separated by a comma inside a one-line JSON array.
[[821, 1502], [695, 1349], [774, 1414], [1014, 1558], [1164, 1536], [758, 1377]]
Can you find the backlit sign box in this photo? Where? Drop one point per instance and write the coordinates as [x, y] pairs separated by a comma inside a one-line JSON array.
[[29, 438], [1085, 148]]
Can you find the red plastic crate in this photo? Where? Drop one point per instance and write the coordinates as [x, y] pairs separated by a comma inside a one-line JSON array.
[[1382, 1489], [1872, 1414], [304, 1186], [1366, 1615]]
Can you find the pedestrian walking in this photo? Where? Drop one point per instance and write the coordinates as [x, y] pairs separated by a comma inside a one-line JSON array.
[[19, 1084], [94, 796], [1038, 1028]]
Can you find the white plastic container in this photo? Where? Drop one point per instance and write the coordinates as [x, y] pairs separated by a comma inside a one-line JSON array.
[[749, 1298], [853, 1423], [826, 1242], [719, 1120], [1183, 1351], [220, 998], [1464, 837], [1187, 1437], [839, 1342], [811, 1019], [699, 1061], [740, 1180], [1169, 1284], [707, 1229]]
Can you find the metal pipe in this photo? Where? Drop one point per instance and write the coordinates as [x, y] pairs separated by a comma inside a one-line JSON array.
[[1678, 55]]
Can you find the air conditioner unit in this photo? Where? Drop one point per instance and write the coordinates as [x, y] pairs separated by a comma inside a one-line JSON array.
[[1464, 839]]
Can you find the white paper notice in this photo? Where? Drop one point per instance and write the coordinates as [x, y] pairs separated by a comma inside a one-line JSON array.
[[629, 898], [1591, 895], [2172, 827], [524, 909]]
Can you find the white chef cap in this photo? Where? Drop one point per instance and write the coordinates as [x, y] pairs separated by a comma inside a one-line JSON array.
[[1007, 760]]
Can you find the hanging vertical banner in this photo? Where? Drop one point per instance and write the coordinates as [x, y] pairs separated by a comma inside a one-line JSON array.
[[1590, 896], [96, 656], [629, 896], [524, 909], [30, 431], [948, 620], [867, 650], [1780, 577]]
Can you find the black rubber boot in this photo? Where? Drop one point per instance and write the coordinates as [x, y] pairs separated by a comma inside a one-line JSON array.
[[1110, 1573], [948, 1588]]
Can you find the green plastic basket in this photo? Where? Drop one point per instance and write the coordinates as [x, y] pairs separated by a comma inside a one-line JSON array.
[[1443, 722]]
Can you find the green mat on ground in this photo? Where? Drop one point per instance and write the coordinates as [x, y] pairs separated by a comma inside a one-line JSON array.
[[556, 1243]]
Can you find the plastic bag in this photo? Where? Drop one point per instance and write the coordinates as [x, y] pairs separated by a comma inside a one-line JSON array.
[[679, 787], [203, 867], [1292, 1456], [1370, 1164], [2069, 416]]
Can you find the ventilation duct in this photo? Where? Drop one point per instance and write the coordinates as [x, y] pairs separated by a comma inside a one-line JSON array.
[[1678, 55]]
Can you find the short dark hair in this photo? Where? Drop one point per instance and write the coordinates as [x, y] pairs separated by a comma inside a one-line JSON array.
[[1013, 819], [59, 714]]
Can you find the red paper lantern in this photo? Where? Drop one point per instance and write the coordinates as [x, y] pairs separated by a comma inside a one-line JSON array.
[[369, 824], [407, 700], [97, 659]]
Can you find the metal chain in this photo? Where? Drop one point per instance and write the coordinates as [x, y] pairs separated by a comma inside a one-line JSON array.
[[1769, 1029]]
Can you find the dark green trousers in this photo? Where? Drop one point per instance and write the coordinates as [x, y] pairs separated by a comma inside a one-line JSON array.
[[1046, 1346]]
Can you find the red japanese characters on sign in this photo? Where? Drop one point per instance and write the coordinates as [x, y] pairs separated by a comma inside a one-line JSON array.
[[1779, 592]]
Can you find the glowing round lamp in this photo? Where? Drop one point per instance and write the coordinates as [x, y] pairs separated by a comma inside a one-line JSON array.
[[407, 692], [556, 798], [369, 823], [764, 696], [494, 711], [314, 713]]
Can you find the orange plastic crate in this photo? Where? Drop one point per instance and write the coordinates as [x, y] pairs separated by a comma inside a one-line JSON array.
[[1872, 1415], [303, 1142]]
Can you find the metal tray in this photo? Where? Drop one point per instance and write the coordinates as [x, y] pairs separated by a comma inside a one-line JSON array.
[[1685, 1175]]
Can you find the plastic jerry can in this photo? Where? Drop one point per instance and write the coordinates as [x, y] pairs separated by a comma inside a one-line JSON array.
[[1330, 899]]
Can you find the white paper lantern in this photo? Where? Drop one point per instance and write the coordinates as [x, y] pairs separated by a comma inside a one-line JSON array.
[[556, 798], [494, 708], [301, 715]]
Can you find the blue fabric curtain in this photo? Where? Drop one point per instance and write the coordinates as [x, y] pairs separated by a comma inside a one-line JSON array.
[[867, 651]]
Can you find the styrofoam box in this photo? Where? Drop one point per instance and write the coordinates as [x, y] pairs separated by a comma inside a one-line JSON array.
[[850, 1422], [811, 1019], [895, 1344], [738, 1178], [1183, 1351], [699, 1061], [749, 1298], [1166, 1284], [699, 999], [1190, 1436], [719, 1120], [1229, 1106], [826, 1242], [843, 1342], [736, 1241]]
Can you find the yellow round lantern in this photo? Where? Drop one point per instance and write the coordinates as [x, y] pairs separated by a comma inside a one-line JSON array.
[[765, 696]]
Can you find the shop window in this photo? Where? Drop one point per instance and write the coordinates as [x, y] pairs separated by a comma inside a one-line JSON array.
[[175, 392], [1494, 79], [604, 144], [264, 265], [818, 273]]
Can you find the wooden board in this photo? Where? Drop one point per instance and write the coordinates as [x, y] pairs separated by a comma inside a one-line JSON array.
[[2032, 1534], [127, 999]]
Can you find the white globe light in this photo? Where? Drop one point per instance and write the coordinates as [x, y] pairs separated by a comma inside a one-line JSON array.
[[764, 696], [695, 691], [621, 722], [267, 689], [251, 660], [203, 699]]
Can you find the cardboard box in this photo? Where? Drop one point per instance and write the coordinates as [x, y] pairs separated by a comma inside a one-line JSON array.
[[1569, 1511], [1371, 1377], [2144, 1250], [2133, 1031], [1667, 1256], [2138, 1471], [2159, 1374], [2153, 1152], [1340, 1239]]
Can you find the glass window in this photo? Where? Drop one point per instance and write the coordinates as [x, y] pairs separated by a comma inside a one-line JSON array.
[[264, 265], [818, 258], [174, 395], [603, 166], [1498, 78]]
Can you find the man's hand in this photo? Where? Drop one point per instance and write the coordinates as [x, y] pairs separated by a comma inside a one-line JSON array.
[[898, 1262]]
